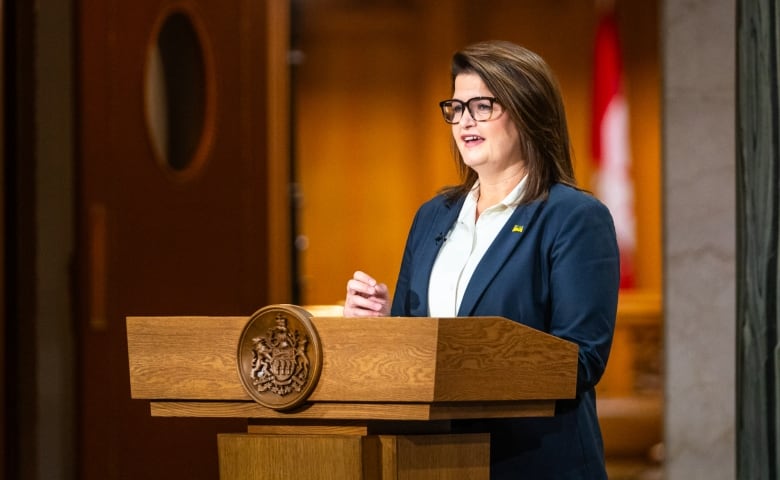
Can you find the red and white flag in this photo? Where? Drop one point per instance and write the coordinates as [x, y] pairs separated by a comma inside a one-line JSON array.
[[611, 149]]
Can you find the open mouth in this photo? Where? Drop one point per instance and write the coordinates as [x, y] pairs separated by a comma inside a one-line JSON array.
[[471, 139]]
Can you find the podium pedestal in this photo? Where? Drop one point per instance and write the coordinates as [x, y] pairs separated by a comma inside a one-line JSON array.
[[354, 457]]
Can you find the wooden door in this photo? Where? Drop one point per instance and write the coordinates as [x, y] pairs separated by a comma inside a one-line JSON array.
[[178, 205]]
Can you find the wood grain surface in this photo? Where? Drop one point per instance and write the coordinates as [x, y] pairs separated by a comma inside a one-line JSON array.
[[387, 368]]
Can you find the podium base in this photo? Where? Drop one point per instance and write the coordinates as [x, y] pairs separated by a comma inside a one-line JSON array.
[[359, 457]]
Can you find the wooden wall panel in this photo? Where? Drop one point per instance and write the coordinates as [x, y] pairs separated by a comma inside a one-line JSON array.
[[364, 141]]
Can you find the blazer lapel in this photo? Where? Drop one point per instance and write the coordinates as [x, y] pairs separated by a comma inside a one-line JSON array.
[[439, 228], [497, 254]]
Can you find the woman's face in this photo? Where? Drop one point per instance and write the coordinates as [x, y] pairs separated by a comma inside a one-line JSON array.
[[491, 148]]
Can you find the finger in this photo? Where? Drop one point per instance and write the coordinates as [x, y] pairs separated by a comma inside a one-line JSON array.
[[359, 287], [364, 277], [382, 290], [357, 306], [365, 302]]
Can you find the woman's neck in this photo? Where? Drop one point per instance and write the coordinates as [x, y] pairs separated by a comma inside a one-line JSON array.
[[494, 189]]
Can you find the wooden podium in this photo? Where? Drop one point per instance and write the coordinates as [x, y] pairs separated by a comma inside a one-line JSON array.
[[382, 404]]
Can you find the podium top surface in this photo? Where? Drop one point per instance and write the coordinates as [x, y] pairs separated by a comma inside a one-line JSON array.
[[375, 360]]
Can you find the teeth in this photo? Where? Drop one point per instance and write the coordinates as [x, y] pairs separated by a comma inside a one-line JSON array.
[[470, 138]]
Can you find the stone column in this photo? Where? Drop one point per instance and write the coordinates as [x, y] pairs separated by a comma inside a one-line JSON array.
[[700, 237]]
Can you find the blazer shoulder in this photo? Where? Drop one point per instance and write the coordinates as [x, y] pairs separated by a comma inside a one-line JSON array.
[[566, 198]]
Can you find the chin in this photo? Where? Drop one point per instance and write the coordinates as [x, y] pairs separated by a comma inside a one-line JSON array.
[[474, 163]]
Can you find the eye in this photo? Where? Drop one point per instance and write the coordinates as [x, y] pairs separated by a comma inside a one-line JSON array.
[[455, 108], [483, 106]]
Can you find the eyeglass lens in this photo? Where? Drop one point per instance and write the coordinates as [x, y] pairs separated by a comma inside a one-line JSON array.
[[480, 109]]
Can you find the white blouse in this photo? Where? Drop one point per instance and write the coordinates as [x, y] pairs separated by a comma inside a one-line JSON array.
[[464, 247]]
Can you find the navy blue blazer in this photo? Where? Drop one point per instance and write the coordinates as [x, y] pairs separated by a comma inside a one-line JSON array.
[[555, 267]]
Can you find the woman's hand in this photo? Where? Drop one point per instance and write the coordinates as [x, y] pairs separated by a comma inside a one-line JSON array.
[[366, 297]]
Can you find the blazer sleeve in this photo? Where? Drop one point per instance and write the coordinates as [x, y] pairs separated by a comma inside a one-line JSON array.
[[584, 284]]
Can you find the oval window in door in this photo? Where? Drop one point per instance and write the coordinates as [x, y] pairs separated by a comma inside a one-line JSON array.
[[175, 94]]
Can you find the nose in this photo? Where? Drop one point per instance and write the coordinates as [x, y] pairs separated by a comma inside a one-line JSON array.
[[467, 118]]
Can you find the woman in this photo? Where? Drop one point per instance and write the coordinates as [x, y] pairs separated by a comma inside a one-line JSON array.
[[515, 239]]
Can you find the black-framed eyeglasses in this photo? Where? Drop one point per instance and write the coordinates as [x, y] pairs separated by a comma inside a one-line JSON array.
[[481, 109]]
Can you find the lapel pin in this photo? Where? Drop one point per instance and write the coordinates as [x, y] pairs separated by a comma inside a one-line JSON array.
[[517, 228]]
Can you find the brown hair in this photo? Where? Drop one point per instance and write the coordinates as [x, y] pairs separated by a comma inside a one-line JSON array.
[[526, 88]]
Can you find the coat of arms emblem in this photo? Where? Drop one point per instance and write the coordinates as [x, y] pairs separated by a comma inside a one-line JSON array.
[[279, 356], [279, 362]]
